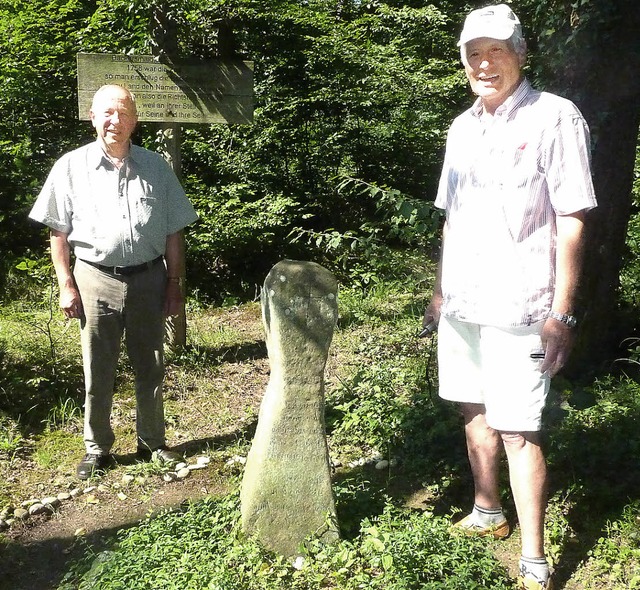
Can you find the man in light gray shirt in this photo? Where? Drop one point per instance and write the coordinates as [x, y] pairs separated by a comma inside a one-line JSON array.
[[120, 210]]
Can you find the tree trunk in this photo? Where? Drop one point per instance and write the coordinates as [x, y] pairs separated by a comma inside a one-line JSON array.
[[601, 331], [602, 77]]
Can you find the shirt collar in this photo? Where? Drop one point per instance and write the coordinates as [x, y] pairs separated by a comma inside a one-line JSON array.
[[99, 158], [509, 106]]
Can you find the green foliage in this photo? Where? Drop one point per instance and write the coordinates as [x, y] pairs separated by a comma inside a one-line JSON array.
[[617, 552], [36, 97], [373, 406], [349, 89], [607, 421], [64, 414], [630, 274], [53, 449], [236, 233], [362, 256], [30, 279], [40, 369], [201, 547], [592, 456], [11, 440], [332, 98], [363, 401]]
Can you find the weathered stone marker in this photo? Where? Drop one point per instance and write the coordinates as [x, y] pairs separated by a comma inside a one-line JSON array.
[[286, 491]]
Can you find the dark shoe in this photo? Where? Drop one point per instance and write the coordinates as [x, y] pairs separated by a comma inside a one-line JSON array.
[[92, 464], [162, 454]]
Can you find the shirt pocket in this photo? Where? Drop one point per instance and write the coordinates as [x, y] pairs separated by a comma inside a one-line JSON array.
[[145, 201], [147, 208], [526, 172]]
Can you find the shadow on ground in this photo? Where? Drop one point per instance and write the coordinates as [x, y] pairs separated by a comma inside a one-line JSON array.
[[37, 556], [593, 462], [41, 565]]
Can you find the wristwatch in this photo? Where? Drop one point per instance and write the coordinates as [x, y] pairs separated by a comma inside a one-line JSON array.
[[565, 318], [178, 280]]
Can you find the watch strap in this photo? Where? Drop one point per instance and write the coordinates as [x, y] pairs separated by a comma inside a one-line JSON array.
[[565, 318]]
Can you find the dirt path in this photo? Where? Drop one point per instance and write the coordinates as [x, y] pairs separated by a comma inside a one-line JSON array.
[[208, 409], [38, 553]]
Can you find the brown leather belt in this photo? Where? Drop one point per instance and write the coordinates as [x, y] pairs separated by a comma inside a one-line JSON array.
[[126, 270]]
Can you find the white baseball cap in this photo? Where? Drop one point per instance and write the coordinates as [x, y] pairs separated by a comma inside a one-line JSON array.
[[494, 22]]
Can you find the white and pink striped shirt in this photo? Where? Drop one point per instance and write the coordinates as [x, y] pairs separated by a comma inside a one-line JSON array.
[[504, 180]]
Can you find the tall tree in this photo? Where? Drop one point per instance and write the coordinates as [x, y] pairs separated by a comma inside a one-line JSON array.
[[589, 52], [37, 60]]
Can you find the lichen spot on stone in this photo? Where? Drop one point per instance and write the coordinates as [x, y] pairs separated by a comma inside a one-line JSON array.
[[283, 278]]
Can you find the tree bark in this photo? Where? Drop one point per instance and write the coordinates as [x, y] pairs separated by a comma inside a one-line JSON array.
[[601, 76], [602, 332]]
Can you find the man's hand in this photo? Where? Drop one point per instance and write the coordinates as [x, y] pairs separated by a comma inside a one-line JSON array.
[[431, 316], [557, 341], [557, 337], [70, 302], [173, 299]]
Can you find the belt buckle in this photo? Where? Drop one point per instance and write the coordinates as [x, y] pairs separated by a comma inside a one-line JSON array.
[[118, 270]]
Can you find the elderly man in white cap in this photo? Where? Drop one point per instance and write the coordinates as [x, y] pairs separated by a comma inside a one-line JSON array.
[[515, 186]]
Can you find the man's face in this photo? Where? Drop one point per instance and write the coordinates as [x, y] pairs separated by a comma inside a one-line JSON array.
[[493, 70], [113, 114]]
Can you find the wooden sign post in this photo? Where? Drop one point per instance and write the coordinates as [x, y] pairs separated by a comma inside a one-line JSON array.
[[175, 92]]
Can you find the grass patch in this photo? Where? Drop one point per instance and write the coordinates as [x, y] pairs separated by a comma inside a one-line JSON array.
[[202, 546], [52, 449], [616, 554], [11, 441]]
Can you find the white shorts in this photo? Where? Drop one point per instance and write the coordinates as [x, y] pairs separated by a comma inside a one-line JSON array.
[[493, 366]]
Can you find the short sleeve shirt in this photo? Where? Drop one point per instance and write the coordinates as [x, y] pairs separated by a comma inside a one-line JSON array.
[[504, 180], [117, 217]]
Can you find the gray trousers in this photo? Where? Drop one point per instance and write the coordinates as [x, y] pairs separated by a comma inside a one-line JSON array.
[[116, 305]]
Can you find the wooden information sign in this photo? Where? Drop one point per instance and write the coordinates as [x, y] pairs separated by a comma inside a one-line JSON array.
[[179, 91]]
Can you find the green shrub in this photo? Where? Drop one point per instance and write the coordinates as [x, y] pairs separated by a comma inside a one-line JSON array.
[[201, 547], [616, 554]]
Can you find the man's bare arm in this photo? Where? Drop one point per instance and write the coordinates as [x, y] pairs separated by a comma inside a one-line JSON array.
[[70, 301], [557, 337]]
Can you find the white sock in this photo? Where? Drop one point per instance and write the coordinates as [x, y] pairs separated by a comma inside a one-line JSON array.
[[534, 567], [487, 517]]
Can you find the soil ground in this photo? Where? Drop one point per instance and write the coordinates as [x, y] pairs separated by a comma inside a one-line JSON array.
[[38, 553]]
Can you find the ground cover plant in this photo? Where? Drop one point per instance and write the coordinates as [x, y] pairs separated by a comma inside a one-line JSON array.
[[381, 403], [201, 547]]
